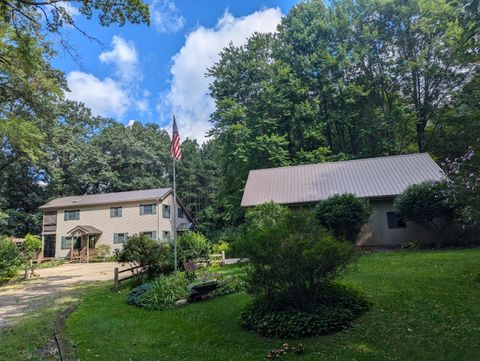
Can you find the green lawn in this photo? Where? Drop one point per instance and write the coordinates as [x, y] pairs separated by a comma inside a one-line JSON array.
[[426, 306]]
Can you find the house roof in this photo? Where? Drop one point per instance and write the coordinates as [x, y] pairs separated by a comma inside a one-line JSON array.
[[85, 230], [366, 178], [107, 198]]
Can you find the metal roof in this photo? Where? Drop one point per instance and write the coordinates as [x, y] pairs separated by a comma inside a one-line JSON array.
[[366, 178], [107, 198]]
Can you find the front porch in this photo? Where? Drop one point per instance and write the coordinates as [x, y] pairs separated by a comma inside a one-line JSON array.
[[84, 239]]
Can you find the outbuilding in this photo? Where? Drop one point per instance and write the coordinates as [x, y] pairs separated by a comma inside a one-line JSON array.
[[379, 180]]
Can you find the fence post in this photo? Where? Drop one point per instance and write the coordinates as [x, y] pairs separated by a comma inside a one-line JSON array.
[[116, 282], [223, 256]]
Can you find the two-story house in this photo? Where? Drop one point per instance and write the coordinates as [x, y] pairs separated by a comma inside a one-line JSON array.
[[72, 223]]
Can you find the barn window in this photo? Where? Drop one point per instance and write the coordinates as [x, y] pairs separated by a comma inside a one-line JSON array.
[[395, 221]]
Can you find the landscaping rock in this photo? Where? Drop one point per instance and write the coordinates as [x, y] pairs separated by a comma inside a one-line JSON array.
[[181, 303]]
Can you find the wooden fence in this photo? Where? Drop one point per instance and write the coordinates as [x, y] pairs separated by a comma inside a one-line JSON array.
[[117, 279]]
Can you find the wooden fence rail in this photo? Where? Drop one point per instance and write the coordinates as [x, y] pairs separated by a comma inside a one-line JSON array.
[[117, 279]]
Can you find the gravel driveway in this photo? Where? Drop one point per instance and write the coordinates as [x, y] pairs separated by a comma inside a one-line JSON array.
[[52, 283]]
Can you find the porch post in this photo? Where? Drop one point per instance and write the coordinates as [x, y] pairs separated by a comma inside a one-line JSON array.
[[88, 247], [71, 247]]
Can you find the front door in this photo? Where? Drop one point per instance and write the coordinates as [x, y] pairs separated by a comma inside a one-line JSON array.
[[49, 246], [78, 243]]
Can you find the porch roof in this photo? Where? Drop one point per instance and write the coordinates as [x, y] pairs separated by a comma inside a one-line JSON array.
[[84, 230]]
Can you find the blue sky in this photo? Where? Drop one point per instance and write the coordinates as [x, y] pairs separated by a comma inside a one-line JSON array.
[[146, 74]]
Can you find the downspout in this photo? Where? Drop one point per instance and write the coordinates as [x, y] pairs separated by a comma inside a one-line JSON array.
[[158, 217]]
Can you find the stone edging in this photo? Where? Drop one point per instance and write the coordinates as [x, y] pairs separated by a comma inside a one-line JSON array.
[[67, 353]]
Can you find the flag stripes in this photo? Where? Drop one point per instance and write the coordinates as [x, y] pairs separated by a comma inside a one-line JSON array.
[[176, 151]]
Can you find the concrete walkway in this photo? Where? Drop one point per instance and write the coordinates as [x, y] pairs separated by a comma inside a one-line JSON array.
[[52, 283]]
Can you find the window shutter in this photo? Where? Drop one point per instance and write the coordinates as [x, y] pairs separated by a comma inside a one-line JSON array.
[[141, 210], [154, 235], [77, 214], [115, 238], [126, 236], [119, 211], [65, 215], [112, 213], [154, 209], [62, 243]]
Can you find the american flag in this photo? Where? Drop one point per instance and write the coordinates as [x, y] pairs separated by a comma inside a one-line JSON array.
[[176, 151]]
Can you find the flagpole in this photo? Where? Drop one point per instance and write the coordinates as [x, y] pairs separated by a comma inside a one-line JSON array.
[[174, 216]]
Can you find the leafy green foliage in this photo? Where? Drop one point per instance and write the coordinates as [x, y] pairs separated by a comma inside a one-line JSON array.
[[344, 214], [192, 246], [133, 295], [427, 205], [9, 259], [165, 290], [338, 307], [154, 257], [293, 259]]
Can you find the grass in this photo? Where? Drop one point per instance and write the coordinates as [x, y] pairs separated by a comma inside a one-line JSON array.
[[426, 306]]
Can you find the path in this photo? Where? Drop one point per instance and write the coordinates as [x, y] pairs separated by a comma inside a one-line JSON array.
[[52, 283]]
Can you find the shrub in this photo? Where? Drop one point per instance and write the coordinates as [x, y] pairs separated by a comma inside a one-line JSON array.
[[9, 259], [335, 311], [154, 257], [165, 290], [192, 246], [344, 215], [293, 259], [222, 246], [427, 205], [134, 294], [29, 249], [104, 250]]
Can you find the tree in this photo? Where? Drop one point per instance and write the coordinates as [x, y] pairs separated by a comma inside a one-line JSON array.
[[29, 249], [9, 259], [151, 256], [344, 214], [427, 205]]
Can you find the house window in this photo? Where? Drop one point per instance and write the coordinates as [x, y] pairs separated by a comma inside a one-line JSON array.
[[166, 235], [395, 221], [147, 209], [180, 212], [120, 238], [115, 212], [152, 235], [66, 243], [71, 215], [166, 211]]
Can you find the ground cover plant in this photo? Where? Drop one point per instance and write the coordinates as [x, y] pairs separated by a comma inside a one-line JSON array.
[[412, 317], [293, 265]]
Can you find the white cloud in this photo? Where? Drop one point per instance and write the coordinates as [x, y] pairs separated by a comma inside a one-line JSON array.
[[112, 96], [124, 56], [69, 8], [130, 123], [105, 97], [166, 17], [188, 96]]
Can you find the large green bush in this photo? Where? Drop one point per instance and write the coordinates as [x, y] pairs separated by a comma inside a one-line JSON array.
[[154, 257], [9, 259], [192, 246], [292, 258], [293, 266], [343, 214], [427, 205]]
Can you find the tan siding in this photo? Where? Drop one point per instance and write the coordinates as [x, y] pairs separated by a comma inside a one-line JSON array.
[[377, 233], [131, 222]]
